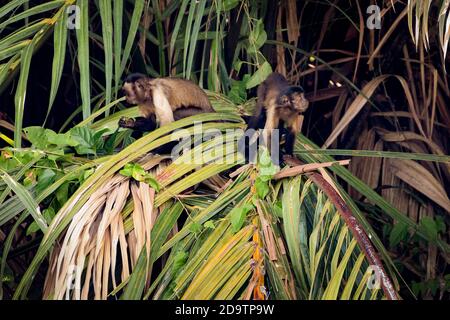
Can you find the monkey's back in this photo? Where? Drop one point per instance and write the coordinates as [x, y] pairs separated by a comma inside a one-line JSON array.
[[183, 93], [274, 84]]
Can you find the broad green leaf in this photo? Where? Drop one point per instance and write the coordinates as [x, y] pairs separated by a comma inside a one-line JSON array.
[[265, 165], [227, 5], [257, 37], [291, 224], [195, 227], [428, 226], [60, 139], [259, 76], [85, 138], [209, 224], [37, 136], [399, 232], [262, 187], [45, 178], [238, 93], [238, 215]]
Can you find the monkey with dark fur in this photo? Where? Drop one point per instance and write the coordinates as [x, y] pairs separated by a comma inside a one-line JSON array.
[[279, 104]]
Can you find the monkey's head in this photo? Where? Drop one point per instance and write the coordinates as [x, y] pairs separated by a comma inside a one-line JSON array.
[[293, 100], [136, 88]]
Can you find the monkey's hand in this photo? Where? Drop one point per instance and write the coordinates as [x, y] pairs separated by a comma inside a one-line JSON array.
[[125, 122], [288, 158]]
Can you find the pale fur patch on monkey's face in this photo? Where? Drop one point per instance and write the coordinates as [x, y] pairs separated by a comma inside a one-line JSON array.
[[292, 104], [284, 101], [299, 102], [136, 92]]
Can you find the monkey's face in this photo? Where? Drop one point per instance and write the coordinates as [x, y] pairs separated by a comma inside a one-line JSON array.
[[136, 91], [299, 102], [292, 102]]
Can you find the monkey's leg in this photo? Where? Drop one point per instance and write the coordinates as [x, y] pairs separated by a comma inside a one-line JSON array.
[[177, 115], [186, 112], [257, 120], [246, 119], [248, 143], [294, 130], [165, 148], [289, 144], [145, 124]]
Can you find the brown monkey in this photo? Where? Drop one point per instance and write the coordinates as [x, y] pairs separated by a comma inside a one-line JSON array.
[[162, 99], [279, 104]]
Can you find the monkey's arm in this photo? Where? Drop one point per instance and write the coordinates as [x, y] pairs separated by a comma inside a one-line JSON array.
[[289, 143], [272, 122], [258, 120], [138, 124]]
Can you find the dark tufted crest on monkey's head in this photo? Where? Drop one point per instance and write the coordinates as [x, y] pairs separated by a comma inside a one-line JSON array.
[[133, 77], [293, 98]]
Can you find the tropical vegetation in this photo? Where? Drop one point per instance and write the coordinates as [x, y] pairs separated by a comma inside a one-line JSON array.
[[87, 211]]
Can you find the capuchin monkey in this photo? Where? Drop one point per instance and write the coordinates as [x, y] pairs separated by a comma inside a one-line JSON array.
[[162, 100], [279, 105]]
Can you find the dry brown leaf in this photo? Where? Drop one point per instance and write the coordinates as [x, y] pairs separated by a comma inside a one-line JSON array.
[[420, 179], [293, 27], [356, 106], [361, 100], [387, 35]]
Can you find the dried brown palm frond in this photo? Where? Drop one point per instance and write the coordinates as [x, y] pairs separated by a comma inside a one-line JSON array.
[[94, 234], [418, 22]]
